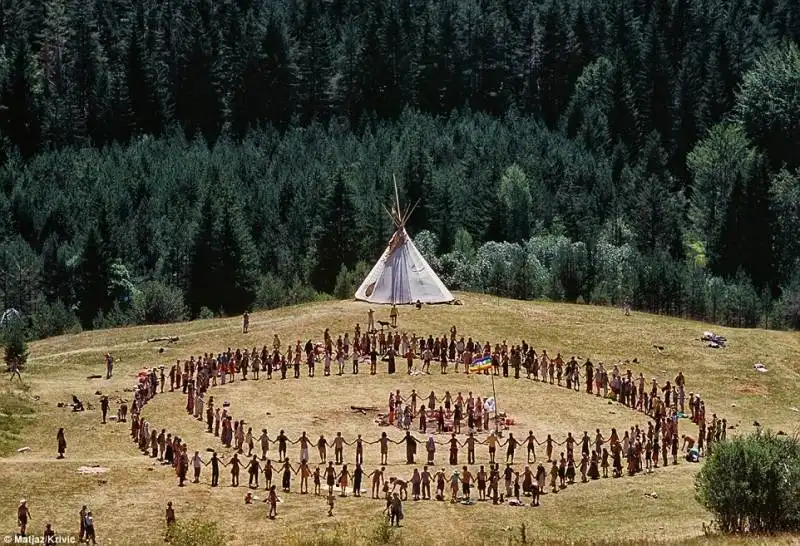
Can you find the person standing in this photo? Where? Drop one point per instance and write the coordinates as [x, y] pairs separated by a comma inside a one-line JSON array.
[[245, 322], [109, 365], [411, 447], [23, 515], [82, 532], [62, 443], [390, 355], [197, 463], [273, 502], [170, 516], [14, 370], [370, 321], [395, 510], [89, 528], [393, 316], [214, 470], [104, 407], [49, 536]]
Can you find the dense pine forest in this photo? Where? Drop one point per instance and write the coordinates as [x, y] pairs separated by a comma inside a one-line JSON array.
[[164, 159]]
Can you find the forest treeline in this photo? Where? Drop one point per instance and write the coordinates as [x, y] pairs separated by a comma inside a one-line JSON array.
[[166, 159]]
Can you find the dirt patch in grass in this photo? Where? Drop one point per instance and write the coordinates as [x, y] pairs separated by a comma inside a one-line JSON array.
[[750, 389]]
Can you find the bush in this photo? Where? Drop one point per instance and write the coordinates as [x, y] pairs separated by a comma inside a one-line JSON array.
[[116, 317], [196, 532], [206, 313], [158, 303], [54, 319], [271, 292], [300, 293], [348, 281], [752, 484]]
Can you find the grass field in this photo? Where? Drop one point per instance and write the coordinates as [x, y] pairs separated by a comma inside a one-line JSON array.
[[128, 501]]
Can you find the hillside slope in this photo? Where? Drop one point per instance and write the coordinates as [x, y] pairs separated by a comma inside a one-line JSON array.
[[59, 367]]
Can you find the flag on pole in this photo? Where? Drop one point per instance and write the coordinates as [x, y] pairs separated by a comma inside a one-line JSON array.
[[480, 364]]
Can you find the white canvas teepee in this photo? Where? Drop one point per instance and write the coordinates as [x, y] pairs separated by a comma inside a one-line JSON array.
[[402, 275]]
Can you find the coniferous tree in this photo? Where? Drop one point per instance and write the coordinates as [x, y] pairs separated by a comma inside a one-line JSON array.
[[769, 105], [688, 116], [197, 102], [56, 278], [238, 277], [204, 261], [264, 88], [428, 83], [20, 113], [15, 352], [654, 86], [554, 84], [145, 111], [516, 196], [337, 241], [93, 278], [418, 181], [728, 246], [281, 77], [313, 62]]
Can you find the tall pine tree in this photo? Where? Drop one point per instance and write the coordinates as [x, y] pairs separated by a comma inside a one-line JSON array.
[[336, 245]]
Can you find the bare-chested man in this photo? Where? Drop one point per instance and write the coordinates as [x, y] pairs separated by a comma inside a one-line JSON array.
[[377, 481]]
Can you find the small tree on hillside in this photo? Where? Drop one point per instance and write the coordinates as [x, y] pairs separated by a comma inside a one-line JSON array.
[[16, 348]]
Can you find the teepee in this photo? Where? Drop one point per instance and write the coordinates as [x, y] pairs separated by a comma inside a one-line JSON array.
[[402, 275]]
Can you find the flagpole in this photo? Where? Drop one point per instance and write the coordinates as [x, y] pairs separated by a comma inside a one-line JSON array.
[[494, 393]]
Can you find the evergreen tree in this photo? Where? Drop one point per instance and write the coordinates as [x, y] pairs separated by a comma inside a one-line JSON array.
[[204, 261], [313, 62], [223, 265], [56, 278], [93, 278], [15, 353], [554, 71], [428, 82], [688, 115], [769, 105], [264, 88], [728, 247], [145, 111], [418, 182], [623, 115], [336, 244], [20, 115], [238, 276], [516, 196], [197, 103], [654, 86]]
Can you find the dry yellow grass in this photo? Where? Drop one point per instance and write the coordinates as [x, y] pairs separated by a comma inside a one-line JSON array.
[[128, 501]]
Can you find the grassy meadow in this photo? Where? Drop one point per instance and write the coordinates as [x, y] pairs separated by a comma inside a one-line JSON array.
[[128, 500]]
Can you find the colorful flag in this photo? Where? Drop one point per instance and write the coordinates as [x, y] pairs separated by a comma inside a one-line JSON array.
[[480, 364]]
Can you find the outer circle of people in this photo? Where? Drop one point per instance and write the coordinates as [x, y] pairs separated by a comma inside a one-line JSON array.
[[589, 457]]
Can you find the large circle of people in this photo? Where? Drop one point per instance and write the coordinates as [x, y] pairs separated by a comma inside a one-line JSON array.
[[590, 456]]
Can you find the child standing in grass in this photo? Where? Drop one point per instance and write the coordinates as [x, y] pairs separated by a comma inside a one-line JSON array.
[[272, 499]]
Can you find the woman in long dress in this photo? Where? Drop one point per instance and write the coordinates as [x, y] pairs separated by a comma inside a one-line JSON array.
[[62, 443]]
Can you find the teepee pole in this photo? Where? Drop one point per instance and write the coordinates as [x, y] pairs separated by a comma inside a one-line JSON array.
[[412, 209], [392, 216], [397, 198]]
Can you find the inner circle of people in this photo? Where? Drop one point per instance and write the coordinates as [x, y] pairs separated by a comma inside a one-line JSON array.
[[500, 480]]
